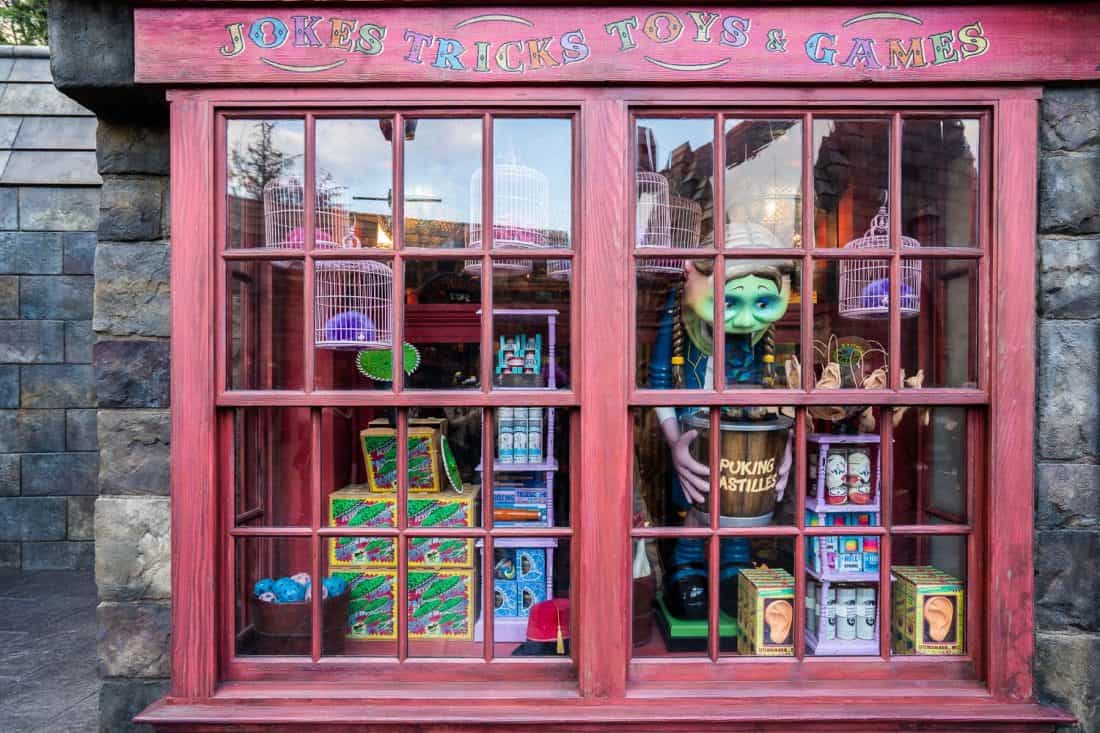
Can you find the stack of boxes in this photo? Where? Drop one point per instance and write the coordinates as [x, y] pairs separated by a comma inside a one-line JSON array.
[[844, 553], [521, 579], [928, 611], [442, 587]]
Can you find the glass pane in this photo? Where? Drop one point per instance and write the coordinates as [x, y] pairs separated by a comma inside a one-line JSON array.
[[672, 474], [763, 185], [842, 615], [851, 323], [675, 171], [843, 488], [265, 303], [272, 466], [444, 599], [765, 603], [939, 185], [442, 182], [443, 324], [851, 176], [265, 166], [675, 322], [930, 465], [530, 598], [368, 625], [531, 467], [353, 324], [669, 607], [929, 604], [939, 331], [354, 183], [272, 612], [531, 337], [532, 182]]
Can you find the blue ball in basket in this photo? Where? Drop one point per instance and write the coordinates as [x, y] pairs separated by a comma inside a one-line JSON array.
[[335, 586], [288, 591], [264, 585], [876, 294], [349, 327]]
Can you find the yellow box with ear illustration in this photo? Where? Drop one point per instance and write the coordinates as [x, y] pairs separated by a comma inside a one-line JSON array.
[[765, 612], [929, 611]]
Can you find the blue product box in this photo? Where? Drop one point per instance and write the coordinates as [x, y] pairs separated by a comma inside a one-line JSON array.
[[504, 564], [531, 564], [505, 599], [530, 594]]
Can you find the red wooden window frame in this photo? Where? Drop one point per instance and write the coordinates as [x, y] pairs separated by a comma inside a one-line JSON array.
[[998, 690]]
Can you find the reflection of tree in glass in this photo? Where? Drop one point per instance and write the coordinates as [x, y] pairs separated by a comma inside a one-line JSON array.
[[260, 162]]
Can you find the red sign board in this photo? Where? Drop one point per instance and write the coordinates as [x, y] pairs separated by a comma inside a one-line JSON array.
[[328, 43]]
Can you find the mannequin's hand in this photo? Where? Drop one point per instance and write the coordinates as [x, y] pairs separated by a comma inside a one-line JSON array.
[[784, 471], [694, 476]]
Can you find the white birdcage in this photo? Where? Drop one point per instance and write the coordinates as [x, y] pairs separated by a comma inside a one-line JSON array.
[[353, 305], [521, 219], [865, 283], [663, 221], [284, 215]]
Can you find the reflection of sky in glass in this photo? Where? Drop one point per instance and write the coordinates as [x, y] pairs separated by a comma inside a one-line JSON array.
[[287, 136], [438, 164], [669, 134], [355, 155], [547, 146], [763, 185]]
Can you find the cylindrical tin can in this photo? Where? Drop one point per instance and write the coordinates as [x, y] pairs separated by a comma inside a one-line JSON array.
[[846, 613], [867, 608]]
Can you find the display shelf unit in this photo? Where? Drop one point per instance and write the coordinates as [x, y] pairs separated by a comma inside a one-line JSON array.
[[822, 647], [509, 628], [817, 501]]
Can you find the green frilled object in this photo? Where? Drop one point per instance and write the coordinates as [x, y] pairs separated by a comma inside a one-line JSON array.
[[450, 465], [378, 365]]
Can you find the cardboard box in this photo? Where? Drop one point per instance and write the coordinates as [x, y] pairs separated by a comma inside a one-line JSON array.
[[929, 611], [531, 565], [441, 604], [373, 599], [506, 599], [425, 455], [765, 612]]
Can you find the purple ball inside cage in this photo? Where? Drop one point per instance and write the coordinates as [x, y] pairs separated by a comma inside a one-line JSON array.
[[349, 327], [876, 294]]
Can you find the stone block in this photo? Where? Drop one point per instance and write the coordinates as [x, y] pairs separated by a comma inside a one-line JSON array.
[[1069, 193], [11, 555], [9, 386], [32, 431], [32, 519], [120, 700], [32, 69], [134, 451], [131, 289], [1069, 119], [132, 148], [1067, 674], [58, 555], [78, 253], [79, 338], [59, 474], [133, 639], [57, 385], [133, 548], [44, 208], [9, 474], [1067, 580], [1069, 277], [61, 297], [37, 99], [30, 253], [9, 296], [9, 130], [9, 207], [80, 430], [1068, 496], [80, 31], [131, 207], [131, 373], [82, 520], [51, 168], [56, 133], [1068, 410], [32, 342]]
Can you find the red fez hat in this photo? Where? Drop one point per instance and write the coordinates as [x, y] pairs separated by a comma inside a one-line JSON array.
[[549, 621]]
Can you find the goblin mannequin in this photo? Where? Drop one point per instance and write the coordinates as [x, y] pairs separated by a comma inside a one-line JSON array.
[[757, 293]]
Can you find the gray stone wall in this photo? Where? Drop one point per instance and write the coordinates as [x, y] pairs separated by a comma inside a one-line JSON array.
[[1067, 519], [49, 201]]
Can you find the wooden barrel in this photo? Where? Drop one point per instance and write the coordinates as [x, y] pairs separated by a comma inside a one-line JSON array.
[[748, 471]]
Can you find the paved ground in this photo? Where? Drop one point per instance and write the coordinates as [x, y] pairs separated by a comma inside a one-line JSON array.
[[48, 677]]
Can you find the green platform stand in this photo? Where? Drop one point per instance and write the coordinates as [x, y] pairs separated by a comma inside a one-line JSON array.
[[682, 635]]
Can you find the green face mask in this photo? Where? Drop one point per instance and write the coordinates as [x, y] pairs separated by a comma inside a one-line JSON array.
[[752, 304]]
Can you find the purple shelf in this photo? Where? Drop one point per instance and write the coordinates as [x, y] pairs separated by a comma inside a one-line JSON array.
[[820, 507], [498, 467], [842, 576], [521, 541], [841, 647]]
